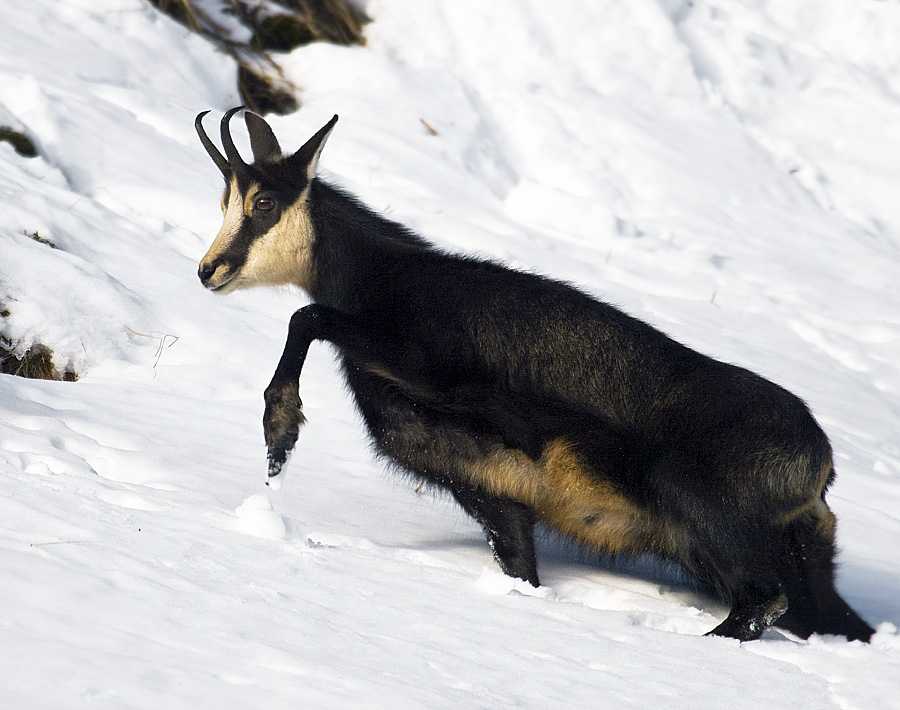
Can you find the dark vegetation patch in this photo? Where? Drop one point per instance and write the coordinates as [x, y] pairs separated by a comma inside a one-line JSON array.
[[276, 26], [266, 92], [22, 144], [281, 33], [335, 21], [36, 363], [42, 240]]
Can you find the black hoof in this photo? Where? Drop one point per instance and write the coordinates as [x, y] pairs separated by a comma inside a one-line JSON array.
[[277, 458], [748, 621]]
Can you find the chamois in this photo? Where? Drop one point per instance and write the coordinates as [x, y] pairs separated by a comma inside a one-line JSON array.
[[530, 401]]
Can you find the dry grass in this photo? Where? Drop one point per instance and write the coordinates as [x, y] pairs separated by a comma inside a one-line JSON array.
[[35, 364], [42, 240]]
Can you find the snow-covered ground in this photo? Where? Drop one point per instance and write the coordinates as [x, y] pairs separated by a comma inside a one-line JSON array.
[[728, 170]]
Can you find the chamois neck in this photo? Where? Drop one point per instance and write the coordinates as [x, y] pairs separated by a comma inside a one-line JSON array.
[[353, 247]]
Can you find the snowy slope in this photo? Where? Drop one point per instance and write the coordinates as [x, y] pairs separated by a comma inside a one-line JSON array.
[[725, 169]]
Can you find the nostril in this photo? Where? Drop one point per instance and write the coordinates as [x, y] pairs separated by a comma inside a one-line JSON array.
[[206, 271]]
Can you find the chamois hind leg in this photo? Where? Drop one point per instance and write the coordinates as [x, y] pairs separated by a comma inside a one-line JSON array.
[[734, 556], [815, 607], [753, 611], [741, 569]]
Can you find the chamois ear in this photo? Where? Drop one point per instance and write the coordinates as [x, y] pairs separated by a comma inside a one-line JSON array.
[[262, 140], [307, 158]]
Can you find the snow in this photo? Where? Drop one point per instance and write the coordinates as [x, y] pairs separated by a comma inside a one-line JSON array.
[[725, 169]]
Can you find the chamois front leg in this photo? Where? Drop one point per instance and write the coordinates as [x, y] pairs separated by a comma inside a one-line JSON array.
[[508, 526], [281, 423], [284, 409]]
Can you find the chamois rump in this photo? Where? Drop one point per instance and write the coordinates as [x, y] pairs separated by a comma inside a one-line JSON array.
[[530, 401]]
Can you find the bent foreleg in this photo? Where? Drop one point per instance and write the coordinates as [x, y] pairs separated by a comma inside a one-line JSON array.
[[284, 409]]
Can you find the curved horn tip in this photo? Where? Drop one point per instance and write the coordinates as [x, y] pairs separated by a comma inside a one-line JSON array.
[[231, 153], [211, 149]]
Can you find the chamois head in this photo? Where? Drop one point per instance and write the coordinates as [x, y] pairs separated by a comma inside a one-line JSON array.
[[266, 236]]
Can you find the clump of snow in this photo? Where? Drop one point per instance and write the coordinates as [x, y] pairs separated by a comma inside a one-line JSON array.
[[724, 169], [256, 516]]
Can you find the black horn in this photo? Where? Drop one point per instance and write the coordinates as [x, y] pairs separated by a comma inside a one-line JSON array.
[[214, 153], [235, 161]]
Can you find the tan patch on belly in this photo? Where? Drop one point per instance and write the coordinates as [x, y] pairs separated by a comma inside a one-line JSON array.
[[572, 500]]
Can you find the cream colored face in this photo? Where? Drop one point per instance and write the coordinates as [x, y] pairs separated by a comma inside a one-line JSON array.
[[265, 240]]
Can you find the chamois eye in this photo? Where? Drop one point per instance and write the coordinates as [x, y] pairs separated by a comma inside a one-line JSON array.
[[265, 204]]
